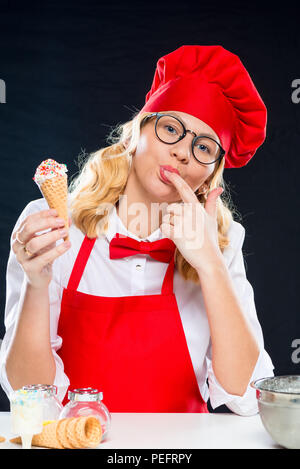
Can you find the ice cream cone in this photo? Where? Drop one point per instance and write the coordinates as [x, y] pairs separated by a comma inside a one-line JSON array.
[[52, 180], [84, 432], [62, 433], [55, 191], [48, 438], [89, 432], [69, 433]]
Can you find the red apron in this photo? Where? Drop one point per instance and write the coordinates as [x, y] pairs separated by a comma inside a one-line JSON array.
[[132, 348]]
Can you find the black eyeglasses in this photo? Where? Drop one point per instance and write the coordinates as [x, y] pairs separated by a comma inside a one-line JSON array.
[[169, 129]]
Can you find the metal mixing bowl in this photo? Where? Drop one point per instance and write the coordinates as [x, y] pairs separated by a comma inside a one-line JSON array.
[[279, 408]]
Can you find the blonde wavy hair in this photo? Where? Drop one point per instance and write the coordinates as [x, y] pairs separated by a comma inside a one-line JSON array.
[[102, 178]]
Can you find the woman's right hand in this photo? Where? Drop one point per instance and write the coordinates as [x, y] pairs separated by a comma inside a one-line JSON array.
[[43, 250]]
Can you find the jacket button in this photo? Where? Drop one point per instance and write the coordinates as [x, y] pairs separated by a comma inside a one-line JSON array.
[[138, 267]]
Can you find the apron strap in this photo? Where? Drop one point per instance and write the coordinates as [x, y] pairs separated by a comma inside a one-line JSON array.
[[83, 256], [80, 262], [167, 286]]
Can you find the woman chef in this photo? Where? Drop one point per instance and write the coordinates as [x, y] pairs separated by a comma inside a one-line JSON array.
[[146, 308]]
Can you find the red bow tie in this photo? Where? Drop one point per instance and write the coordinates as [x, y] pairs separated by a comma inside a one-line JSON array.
[[161, 250]]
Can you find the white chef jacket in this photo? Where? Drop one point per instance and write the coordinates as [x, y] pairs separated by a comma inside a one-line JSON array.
[[140, 275]]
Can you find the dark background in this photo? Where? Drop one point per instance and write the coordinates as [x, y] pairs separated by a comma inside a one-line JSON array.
[[74, 69]]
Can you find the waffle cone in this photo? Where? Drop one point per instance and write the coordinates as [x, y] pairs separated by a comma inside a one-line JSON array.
[[70, 433], [62, 433], [88, 431], [55, 191], [47, 438], [84, 432]]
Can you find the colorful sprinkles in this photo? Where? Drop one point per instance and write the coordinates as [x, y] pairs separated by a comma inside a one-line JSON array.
[[22, 396], [48, 169]]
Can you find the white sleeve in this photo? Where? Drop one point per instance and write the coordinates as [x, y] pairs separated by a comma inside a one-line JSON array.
[[247, 404], [15, 289]]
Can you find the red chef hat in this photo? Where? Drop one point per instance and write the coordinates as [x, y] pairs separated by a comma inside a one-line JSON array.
[[212, 84]]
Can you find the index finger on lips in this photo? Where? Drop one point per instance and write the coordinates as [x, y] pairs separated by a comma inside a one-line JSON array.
[[184, 190]]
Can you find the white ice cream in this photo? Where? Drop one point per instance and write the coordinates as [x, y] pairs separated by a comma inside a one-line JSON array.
[[49, 169], [26, 414]]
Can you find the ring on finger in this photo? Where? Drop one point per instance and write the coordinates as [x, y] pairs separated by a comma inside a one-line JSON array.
[[27, 251], [17, 238]]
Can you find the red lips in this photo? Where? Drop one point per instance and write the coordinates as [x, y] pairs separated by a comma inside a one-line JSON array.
[[163, 174], [171, 169]]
